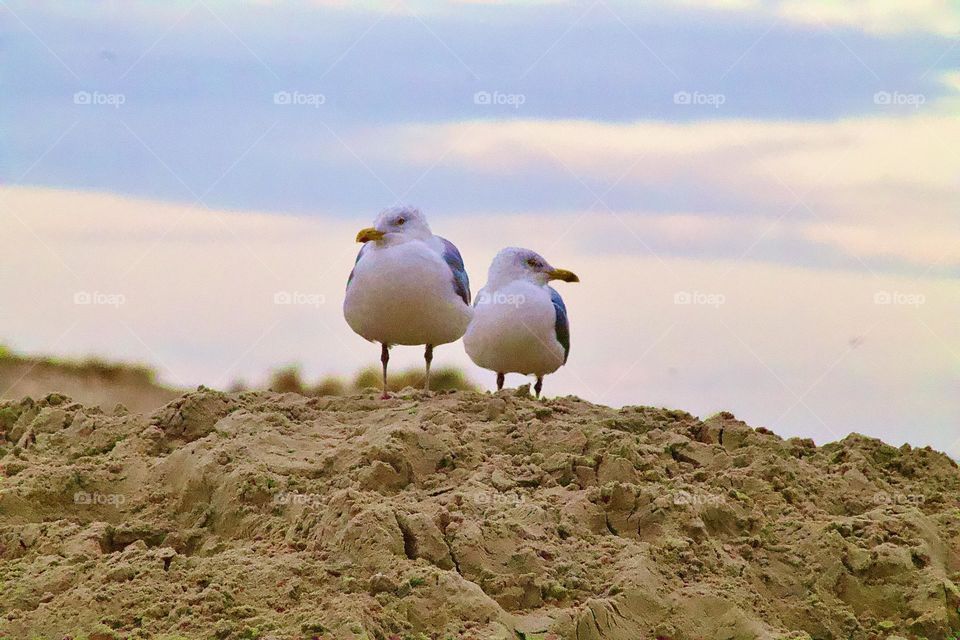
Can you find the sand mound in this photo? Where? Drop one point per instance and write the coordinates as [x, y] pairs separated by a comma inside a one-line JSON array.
[[92, 382], [261, 515]]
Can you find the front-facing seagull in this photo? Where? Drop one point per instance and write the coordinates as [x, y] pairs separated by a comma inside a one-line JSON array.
[[519, 321], [408, 287]]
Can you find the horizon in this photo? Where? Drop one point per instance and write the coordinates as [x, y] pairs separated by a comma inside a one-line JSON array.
[[760, 197]]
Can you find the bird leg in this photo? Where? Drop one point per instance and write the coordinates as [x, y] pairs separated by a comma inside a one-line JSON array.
[[385, 358], [428, 358], [500, 377], [537, 387]]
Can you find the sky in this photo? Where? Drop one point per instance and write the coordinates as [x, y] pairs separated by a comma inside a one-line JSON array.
[[760, 196]]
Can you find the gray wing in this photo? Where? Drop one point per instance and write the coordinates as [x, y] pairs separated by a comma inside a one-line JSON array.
[[561, 324], [359, 255], [461, 283]]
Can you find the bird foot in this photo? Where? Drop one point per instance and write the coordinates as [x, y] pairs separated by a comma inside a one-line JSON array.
[[385, 396]]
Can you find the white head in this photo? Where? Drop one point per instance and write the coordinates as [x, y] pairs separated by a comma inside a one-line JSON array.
[[397, 224], [514, 263]]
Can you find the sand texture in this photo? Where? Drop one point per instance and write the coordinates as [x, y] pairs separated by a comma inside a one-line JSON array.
[[462, 515]]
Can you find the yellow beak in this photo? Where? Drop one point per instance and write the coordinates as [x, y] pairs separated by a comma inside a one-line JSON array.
[[368, 234], [563, 274]]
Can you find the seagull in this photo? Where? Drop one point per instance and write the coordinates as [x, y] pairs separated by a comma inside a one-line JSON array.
[[519, 321], [407, 287]]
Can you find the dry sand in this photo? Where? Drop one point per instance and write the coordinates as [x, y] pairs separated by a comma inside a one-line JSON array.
[[462, 515], [93, 383]]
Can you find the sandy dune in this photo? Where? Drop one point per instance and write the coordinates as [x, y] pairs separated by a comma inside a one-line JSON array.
[[462, 515]]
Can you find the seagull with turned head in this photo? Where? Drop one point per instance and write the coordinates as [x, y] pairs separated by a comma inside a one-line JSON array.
[[407, 287], [519, 321]]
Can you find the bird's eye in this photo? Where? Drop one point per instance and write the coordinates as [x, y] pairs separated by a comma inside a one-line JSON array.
[[533, 262], [400, 221]]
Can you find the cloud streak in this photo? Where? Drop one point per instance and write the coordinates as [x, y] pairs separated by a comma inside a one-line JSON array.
[[882, 188], [881, 17]]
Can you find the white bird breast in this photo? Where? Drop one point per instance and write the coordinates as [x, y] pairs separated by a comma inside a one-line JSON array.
[[514, 330], [403, 294]]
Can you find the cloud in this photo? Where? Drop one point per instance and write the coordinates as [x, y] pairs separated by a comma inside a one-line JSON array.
[[951, 80], [875, 17], [888, 186], [906, 150], [907, 241], [199, 84], [882, 17], [879, 17]]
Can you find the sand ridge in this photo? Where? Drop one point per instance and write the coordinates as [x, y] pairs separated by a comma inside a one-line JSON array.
[[462, 515]]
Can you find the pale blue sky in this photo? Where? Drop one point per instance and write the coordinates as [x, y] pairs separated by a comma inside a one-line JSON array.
[[198, 81]]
